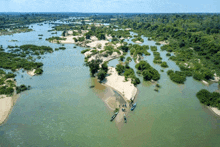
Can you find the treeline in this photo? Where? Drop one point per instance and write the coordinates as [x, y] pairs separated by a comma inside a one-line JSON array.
[[14, 20], [208, 98]]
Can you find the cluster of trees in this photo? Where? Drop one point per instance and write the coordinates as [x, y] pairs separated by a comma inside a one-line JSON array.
[[208, 98], [138, 50], [148, 72], [94, 68], [13, 62], [137, 38], [164, 64], [127, 72], [157, 58], [22, 88], [177, 76], [80, 39], [103, 71], [55, 38], [6, 90]]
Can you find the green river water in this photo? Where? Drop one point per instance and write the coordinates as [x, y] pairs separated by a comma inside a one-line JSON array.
[[62, 110]]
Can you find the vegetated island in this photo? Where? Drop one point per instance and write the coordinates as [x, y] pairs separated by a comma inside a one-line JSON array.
[[106, 43], [17, 58], [212, 100]]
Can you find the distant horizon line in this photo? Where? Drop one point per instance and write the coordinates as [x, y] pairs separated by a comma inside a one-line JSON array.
[[125, 12]]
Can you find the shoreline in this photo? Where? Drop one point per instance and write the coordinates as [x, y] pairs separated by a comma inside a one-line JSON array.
[[7, 105], [214, 110], [125, 88]]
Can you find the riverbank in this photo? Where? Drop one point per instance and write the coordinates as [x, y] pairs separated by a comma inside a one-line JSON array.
[[214, 110], [125, 88], [6, 106]]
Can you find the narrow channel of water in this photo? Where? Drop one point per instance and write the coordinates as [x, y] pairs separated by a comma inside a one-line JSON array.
[[62, 110]]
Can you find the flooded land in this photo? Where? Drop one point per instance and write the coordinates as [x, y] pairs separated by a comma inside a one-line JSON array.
[[63, 78]]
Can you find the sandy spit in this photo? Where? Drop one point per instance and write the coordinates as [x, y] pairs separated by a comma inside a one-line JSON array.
[[6, 104], [117, 82]]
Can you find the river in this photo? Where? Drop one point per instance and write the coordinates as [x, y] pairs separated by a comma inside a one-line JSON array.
[[62, 110]]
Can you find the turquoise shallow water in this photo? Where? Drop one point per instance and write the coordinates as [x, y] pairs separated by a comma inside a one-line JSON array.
[[61, 109]]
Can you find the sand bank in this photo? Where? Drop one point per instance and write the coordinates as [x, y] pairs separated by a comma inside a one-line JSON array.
[[31, 72], [215, 110], [164, 42], [117, 82], [96, 43], [6, 104], [138, 42], [204, 82]]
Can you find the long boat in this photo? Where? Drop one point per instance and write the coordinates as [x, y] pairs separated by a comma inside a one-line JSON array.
[[114, 115], [125, 119], [133, 106]]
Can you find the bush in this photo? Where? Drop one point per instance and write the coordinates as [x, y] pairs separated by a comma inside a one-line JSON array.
[[208, 98], [6, 90], [177, 76], [120, 69], [86, 50], [128, 59], [153, 48], [164, 64], [197, 76], [94, 66], [168, 54], [105, 67], [38, 71], [21, 88], [101, 75], [122, 58]]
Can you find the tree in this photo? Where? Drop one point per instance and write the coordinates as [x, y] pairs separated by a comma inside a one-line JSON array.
[[101, 75], [120, 68], [164, 64], [105, 67], [122, 58], [94, 66]]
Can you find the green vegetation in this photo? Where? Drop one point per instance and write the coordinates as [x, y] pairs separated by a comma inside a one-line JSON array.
[[137, 50], [128, 73], [94, 66], [122, 58], [164, 64], [86, 50], [148, 72], [128, 59], [157, 58], [177, 76], [208, 98], [22, 88], [101, 75], [55, 38], [120, 68], [190, 36], [138, 38], [6, 90], [168, 54], [153, 48], [157, 43]]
